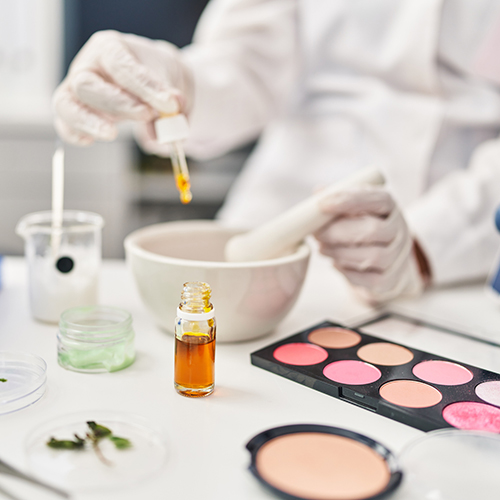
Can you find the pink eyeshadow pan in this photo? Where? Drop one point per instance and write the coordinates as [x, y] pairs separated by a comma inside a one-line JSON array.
[[351, 372], [469, 415], [442, 372], [300, 354]]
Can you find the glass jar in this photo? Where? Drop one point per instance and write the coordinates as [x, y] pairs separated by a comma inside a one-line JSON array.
[[95, 339], [195, 341]]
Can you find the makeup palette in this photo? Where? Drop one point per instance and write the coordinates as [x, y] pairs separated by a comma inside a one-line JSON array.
[[420, 389]]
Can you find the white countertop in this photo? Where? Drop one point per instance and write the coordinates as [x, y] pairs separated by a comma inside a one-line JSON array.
[[206, 437]]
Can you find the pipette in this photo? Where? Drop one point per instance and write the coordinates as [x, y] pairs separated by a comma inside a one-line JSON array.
[[172, 130]]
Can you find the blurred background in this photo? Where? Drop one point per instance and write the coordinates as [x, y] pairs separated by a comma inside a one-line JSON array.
[[38, 40]]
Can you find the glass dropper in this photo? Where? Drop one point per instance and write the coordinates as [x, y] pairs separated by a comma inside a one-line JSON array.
[[172, 130], [181, 173]]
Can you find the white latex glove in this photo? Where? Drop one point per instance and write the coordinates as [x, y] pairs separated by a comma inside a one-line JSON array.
[[370, 244], [117, 77]]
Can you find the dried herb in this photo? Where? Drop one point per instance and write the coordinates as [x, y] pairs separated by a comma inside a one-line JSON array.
[[120, 443], [99, 431], [66, 444], [93, 437], [3, 380]]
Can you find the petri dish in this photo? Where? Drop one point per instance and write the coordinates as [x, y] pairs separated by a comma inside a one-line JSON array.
[[82, 470], [452, 464], [23, 377]]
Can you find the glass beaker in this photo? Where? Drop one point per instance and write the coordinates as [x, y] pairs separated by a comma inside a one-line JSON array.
[[63, 264]]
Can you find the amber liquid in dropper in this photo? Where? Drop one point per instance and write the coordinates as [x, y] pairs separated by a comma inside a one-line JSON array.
[[194, 364], [184, 188], [181, 172]]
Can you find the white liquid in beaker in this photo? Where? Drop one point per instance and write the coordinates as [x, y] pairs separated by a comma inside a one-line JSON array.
[[52, 292], [54, 289]]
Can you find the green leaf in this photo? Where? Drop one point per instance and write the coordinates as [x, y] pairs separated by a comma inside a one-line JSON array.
[[66, 444], [99, 430], [92, 438], [120, 443], [3, 380]]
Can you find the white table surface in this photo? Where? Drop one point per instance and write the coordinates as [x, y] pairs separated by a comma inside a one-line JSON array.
[[206, 437]]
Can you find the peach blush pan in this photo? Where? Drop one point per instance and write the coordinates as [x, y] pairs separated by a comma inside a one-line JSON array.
[[410, 393]]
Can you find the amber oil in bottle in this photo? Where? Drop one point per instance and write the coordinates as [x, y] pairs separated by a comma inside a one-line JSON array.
[[194, 374]]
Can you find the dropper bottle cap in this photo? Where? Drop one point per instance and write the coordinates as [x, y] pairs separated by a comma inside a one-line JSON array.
[[171, 128]]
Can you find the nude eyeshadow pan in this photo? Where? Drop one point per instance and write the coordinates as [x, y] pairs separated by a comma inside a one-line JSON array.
[[412, 386]]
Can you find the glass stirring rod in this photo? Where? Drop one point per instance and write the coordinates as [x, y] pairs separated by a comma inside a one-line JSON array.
[[172, 130]]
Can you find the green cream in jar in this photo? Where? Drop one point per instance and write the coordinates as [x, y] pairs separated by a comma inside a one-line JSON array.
[[95, 339]]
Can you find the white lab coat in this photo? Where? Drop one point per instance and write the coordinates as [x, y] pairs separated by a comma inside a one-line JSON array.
[[334, 85]]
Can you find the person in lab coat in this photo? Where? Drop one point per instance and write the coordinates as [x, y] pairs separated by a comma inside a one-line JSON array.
[[328, 86]]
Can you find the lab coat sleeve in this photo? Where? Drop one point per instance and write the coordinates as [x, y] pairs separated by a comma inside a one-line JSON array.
[[454, 221], [244, 63]]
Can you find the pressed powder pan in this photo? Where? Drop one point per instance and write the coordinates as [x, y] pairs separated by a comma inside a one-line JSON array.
[[319, 462]]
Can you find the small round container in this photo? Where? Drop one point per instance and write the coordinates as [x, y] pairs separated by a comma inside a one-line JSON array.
[[320, 462], [23, 377], [95, 339]]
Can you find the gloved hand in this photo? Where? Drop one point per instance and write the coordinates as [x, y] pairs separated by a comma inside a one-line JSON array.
[[118, 77], [370, 244]]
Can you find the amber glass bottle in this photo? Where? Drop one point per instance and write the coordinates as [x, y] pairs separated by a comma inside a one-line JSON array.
[[195, 341]]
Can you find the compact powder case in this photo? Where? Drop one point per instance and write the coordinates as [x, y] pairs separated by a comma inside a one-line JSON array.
[[320, 462], [415, 387]]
